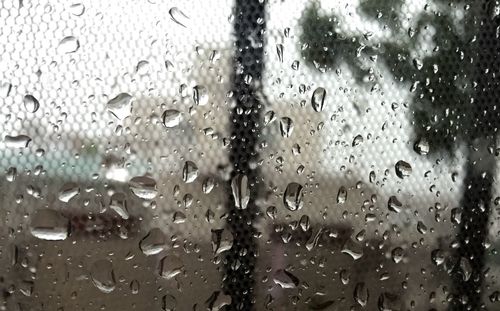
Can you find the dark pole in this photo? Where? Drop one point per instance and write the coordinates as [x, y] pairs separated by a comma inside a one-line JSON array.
[[249, 26], [482, 162]]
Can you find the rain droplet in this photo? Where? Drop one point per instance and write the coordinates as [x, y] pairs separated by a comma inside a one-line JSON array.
[[403, 169], [389, 302], [208, 185], [134, 287], [118, 203], [269, 117], [77, 9], [189, 172], [418, 63], [5, 88], [342, 195], [103, 276], [279, 51], [200, 95], [285, 279], [47, 224], [178, 16], [170, 267], [318, 99], [456, 215], [357, 140], [421, 146], [394, 205], [68, 45], [397, 254], [142, 67], [241, 191], [222, 240], [217, 301], [169, 303], [171, 118], [286, 127], [143, 187], [68, 191], [19, 141], [361, 294], [179, 218], [11, 174], [292, 197], [421, 227], [120, 105], [352, 249], [438, 257], [465, 269], [153, 243], [31, 104]]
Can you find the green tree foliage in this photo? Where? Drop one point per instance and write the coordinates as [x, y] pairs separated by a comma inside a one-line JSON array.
[[441, 80]]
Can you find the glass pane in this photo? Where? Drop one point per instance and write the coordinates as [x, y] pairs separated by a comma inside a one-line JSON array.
[[249, 155]]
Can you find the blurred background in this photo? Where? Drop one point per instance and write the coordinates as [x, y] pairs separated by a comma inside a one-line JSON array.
[[249, 155]]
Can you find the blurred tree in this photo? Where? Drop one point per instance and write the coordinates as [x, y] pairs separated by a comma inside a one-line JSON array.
[[455, 89]]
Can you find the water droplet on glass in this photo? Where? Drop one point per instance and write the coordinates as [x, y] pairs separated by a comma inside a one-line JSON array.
[[318, 99], [217, 301], [118, 203], [456, 215], [397, 254], [103, 275], [178, 16], [169, 303], [5, 88], [143, 187], [179, 218], [389, 302], [394, 205], [77, 9], [285, 279], [189, 172], [361, 294], [269, 117], [208, 185], [200, 95], [304, 223], [134, 287], [295, 65], [241, 191], [286, 127], [68, 45], [171, 118], [421, 227], [31, 104], [222, 240], [352, 249], [418, 64], [47, 224], [68, 191], [120, 105], [292, 198], [11, 174], [170, 267], [279, 51], [358, 139], [465, 268], [438, 257], [142, 67], [421, 146], [403, 169], [342, 195], [153, 243], [19, 141]]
